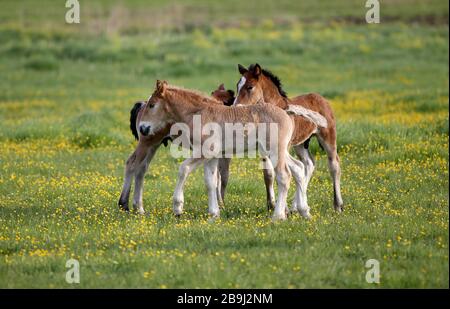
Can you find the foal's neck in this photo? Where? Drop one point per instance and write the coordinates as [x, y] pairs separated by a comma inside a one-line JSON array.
[[183, 109], [273, 96]]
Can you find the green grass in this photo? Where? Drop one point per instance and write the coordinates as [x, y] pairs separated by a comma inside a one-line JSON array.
[[65, 96]]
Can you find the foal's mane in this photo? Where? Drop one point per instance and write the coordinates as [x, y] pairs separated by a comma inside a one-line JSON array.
[[274, 79], [192, 96]]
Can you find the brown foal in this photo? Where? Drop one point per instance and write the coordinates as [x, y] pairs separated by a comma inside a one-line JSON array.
[[258, 85]]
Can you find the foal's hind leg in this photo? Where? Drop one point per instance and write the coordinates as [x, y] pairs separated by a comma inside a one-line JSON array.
[[224, 172], [306, 158], [329, 146], [269, 176], [298, 172], [283, 177], [211, 177]]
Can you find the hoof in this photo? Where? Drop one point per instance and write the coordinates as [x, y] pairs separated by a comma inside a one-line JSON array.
[[140, 211], [305, 214], [215, 214], [270, 205], [123, 201], [279, 217], [291, 210], [339, 208], [178, 207], [213, 219], [124, 207]]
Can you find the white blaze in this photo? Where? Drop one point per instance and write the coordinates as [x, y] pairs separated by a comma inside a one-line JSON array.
[[240, 85]]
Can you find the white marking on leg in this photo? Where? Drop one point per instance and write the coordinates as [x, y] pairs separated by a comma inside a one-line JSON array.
[[307, 160], [298, 171], [187, 167]]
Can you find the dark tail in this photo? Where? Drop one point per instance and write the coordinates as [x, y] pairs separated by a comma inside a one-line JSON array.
[[133, 116], [306, 143]]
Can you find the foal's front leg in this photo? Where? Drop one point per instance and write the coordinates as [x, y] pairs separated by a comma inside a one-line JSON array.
[[187, 167], [211, 176], [137, 161], [283, 178], [139, 180]]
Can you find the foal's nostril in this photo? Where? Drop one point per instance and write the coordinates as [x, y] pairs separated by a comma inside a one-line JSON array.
[[144, 129]]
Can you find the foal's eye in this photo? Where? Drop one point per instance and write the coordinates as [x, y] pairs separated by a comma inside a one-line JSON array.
[[151, 105], [249, 88]]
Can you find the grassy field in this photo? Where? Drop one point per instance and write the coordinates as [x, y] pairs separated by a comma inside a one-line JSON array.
[[65, 95]]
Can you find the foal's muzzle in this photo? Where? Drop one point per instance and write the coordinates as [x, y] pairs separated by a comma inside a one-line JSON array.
[[144, 129]]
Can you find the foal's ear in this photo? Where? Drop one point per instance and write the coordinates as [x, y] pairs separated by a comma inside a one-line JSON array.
[[161, 86], [242, 69], [221, 87], [257, 70], [158, 84]]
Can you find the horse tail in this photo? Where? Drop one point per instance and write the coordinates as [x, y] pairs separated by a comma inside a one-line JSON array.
[[306, 143], [312, 116], [133, 117]]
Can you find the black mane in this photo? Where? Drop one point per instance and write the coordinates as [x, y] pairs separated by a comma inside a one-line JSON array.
[[275, 80]]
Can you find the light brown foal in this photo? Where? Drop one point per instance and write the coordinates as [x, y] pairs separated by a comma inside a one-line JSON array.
[[258, 85], [137, 163]]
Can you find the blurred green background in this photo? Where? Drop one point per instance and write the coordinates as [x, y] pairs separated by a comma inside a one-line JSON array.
[[65, 95]]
